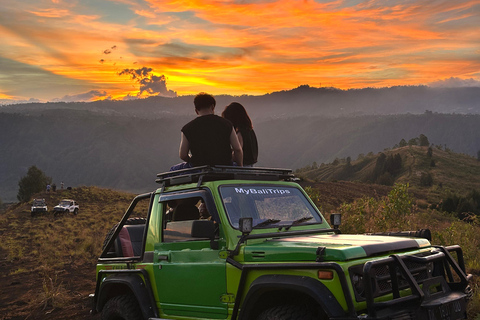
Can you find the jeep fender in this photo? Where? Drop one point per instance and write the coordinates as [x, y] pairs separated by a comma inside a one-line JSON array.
[[121, 282], [305, 285]]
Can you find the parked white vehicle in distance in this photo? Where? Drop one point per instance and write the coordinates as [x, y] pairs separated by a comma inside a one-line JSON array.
[[66, 206], [38, 206]]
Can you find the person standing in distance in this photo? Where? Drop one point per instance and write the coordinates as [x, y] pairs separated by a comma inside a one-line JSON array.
[[238, 116], [209, 139]]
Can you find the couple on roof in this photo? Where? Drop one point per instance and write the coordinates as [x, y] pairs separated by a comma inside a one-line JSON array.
[[213, 140]]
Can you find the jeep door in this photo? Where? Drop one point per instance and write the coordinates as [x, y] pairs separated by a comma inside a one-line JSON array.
[[189, 274]]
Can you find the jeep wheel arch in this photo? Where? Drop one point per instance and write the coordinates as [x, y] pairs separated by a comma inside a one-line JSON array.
[[123, 283], [269, 290]]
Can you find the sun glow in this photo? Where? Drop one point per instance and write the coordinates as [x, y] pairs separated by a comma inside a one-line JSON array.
[[236, 47]]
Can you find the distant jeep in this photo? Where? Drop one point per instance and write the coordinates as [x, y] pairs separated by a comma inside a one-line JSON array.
[[38, 206], [66, 206]]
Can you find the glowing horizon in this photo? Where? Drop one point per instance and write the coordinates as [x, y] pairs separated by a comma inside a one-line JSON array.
[[88, 50]]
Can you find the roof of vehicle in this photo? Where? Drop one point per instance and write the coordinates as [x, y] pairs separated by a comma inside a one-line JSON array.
[[214, 173]]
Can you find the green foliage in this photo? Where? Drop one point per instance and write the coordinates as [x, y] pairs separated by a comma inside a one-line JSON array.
[[371, 215], [413, 142], [314, 195], [34, 182], [423, 141], [462, 205], [386, 168], [426, 179], [429, 152]]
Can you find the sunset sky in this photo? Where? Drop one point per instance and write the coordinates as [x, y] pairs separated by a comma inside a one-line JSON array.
[[85, 50]]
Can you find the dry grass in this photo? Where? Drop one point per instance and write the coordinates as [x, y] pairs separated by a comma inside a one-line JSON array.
[[50, 253]]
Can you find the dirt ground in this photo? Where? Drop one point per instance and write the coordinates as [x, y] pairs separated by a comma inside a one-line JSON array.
[[21, 295]]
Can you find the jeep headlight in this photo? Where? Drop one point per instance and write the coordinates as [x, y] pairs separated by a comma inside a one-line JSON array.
[[358, 284]]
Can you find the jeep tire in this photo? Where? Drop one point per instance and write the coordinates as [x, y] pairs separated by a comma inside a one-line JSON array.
[[123, 307], [288, 312]]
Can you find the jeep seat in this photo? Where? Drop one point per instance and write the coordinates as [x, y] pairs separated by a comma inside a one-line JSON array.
[[186, 211], [129, 241]]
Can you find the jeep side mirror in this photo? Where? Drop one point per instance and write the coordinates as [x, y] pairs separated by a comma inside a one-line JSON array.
[[245, 225], [335, 220]]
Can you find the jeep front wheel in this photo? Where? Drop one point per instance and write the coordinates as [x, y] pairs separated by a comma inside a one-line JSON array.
[[287, 312], [124, 307]]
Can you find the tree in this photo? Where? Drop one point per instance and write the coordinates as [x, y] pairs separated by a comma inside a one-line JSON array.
[[423, 140], [413, 142], [426, 179], [478, 155], [430, 152], [35, 181], [403, 143]]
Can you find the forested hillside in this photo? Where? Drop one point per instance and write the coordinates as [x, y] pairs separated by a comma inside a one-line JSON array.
[[445, 180], [84, 148], [124, 144]]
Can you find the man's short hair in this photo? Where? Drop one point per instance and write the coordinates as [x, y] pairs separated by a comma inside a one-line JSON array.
[[203, 101]]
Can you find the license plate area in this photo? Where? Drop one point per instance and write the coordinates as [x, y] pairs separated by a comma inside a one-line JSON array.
[[450, 307]]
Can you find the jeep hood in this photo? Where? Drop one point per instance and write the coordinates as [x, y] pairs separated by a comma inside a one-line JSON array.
[[329, 247]]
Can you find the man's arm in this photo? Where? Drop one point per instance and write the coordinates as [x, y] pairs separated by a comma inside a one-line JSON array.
[[237, 148], [184, 148]]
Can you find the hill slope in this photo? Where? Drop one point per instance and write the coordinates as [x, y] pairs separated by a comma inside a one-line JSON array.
[[47, 263], [449, 172]]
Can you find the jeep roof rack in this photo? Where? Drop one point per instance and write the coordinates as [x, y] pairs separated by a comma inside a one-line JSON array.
[[212, 173]]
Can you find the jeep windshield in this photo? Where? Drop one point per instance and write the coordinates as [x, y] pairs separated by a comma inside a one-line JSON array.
[[39, 203], [64, 203], [269, 206]]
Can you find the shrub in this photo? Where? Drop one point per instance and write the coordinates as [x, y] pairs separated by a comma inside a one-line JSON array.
[[387, 214], [426, 179]]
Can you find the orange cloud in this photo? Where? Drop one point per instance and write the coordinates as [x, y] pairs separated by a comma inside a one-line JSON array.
[[228, 46]]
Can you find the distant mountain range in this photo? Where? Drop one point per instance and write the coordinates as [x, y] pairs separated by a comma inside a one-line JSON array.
[[124, 144]]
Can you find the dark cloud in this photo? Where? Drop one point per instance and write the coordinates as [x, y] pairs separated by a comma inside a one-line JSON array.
[[148, 82], [102, 61], [137, 74], [156, 85], [87, 96], [108, 51]]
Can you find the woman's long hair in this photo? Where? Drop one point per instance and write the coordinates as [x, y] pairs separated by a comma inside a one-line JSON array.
[[237, 115]]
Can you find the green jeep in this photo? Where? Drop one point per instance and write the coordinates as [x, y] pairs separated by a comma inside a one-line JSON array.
[[248, 243]]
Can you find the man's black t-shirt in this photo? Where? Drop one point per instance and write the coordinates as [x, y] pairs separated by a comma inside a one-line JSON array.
[[209, 140]]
